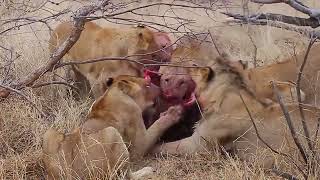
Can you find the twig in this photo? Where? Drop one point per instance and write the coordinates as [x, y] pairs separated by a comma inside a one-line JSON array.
[[297, 5], [158, 4], [25, 97], [303, 31], [256, 129], [263, 141], [314, 23], [125, 58], [255, 63], [289, 122], [54, 82], [214, 43], [30, 21], [303, 120]]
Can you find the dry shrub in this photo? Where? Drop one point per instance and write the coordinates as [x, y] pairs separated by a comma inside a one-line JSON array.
[[22, 128]]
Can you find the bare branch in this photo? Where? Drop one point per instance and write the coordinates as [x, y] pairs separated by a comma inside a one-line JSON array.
[[25, 97], [158, 4], [303, 120], [267, 1], [255, 50], [125, 58], [297, 5], [263, 141], [29, 20], [303, 31], [314, 23], [214, 43], [289, 122], [54, 82]]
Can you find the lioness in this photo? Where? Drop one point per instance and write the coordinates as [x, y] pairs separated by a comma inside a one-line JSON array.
[[114, 128], [288, 70], [97, 42], [225, 119]]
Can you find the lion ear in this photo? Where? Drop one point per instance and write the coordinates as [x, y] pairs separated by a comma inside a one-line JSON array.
[[124, 86]]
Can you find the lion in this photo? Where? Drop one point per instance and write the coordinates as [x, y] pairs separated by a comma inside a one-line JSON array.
[[182, 85], [226, 122], [287, 71], [97, 42], [112, 134], [200, 51]]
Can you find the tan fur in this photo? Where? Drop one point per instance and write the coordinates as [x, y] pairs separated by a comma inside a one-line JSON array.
[[192, 51], [287, 70], [97, 42], [113, 132], [226, 120], [201, 52]]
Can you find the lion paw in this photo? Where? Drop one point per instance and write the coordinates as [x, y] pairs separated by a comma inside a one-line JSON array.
[[173, 113]]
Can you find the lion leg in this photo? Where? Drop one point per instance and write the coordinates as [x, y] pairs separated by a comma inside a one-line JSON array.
[[51, 156], [187, 145], [116, 151], [121, 156], [149, 137], [207, 135]]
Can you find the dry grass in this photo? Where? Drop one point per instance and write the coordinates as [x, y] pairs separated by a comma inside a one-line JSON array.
[[21, 127]]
